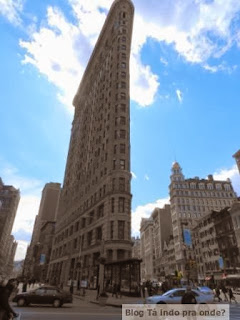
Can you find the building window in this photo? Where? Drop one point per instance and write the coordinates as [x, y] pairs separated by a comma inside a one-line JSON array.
[[122, 164], [121, 225], [122, 184], [89, 238], [123, 65], [121, 205], [91, 217], [112, 205], [114, 164], [111, 229], [122, 134], [100, 212], [99, 233], [227, 187], [75, 244], [113, 184], [122, 120], [83, 222], [123, 95], [123, 107], [123, 74], [122, 148]]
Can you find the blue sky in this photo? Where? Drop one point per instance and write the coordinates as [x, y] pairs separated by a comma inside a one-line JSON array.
[[185, 70]]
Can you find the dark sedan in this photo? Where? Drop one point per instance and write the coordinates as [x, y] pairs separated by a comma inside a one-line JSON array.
[[43, 295]]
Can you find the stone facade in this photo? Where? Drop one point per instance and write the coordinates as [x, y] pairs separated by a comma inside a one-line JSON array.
[[136, 248], [235, 214], [192, 199], [47, 213], [162, 231], [9, 200], [215, 242], [205, 245], [94, 216], [147, 249]]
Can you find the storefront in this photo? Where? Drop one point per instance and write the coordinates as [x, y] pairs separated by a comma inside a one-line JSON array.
[[126, 273]]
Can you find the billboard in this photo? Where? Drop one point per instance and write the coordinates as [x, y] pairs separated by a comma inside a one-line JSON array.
[[42, 258], [187, 238]]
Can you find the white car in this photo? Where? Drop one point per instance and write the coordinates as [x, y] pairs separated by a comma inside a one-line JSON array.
[[175, 296]]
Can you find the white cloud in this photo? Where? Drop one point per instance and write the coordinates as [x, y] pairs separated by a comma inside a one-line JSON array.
[[179, 95], [146, 177], [26, 213], [232, 174], [21, 250], [11, 176], [198, 30], [11, 9], [221, 67], [164, 61], [133, 175], [145, 211]]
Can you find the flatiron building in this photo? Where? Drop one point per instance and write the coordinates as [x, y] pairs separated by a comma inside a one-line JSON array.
[[94, 217]]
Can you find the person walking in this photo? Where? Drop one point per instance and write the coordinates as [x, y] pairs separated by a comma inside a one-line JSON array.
[[6, 312], [224, 291], [114, 290], [231, 296], [24, 287], [188, 297], [71, 287], [217, 290], [119, 290]]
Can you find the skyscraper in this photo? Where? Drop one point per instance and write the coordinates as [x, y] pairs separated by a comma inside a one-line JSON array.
[[47, 213], [9, 199], [95, 203]]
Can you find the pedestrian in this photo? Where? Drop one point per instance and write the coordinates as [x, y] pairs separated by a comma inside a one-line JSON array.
[[119, 290], [24, 287], [71, 287], [217, 290], [114, 290], [188, 297], [6, 312], [231, 296], [224, 291], [142, 289]]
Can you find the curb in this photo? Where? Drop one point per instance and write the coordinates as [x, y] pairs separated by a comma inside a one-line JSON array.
[[107, 304]]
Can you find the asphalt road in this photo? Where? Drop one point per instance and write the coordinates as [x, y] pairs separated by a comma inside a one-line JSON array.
[[82, 310], [78, 310]]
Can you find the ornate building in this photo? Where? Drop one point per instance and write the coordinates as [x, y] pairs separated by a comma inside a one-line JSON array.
[[190, 200], [9, 199], [94, 215]]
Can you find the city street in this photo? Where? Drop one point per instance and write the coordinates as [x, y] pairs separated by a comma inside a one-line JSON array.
[[78, 310], [85, 310]]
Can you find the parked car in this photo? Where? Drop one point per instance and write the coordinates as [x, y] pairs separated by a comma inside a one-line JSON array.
[[43, 295], [175, 296]]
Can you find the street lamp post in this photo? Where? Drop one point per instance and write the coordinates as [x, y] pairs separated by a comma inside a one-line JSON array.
[[102, 261]]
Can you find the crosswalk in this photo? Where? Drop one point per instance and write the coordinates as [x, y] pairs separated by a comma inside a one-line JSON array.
[[235, 312]]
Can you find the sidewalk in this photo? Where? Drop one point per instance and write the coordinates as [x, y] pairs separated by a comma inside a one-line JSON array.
[[111, 301]]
